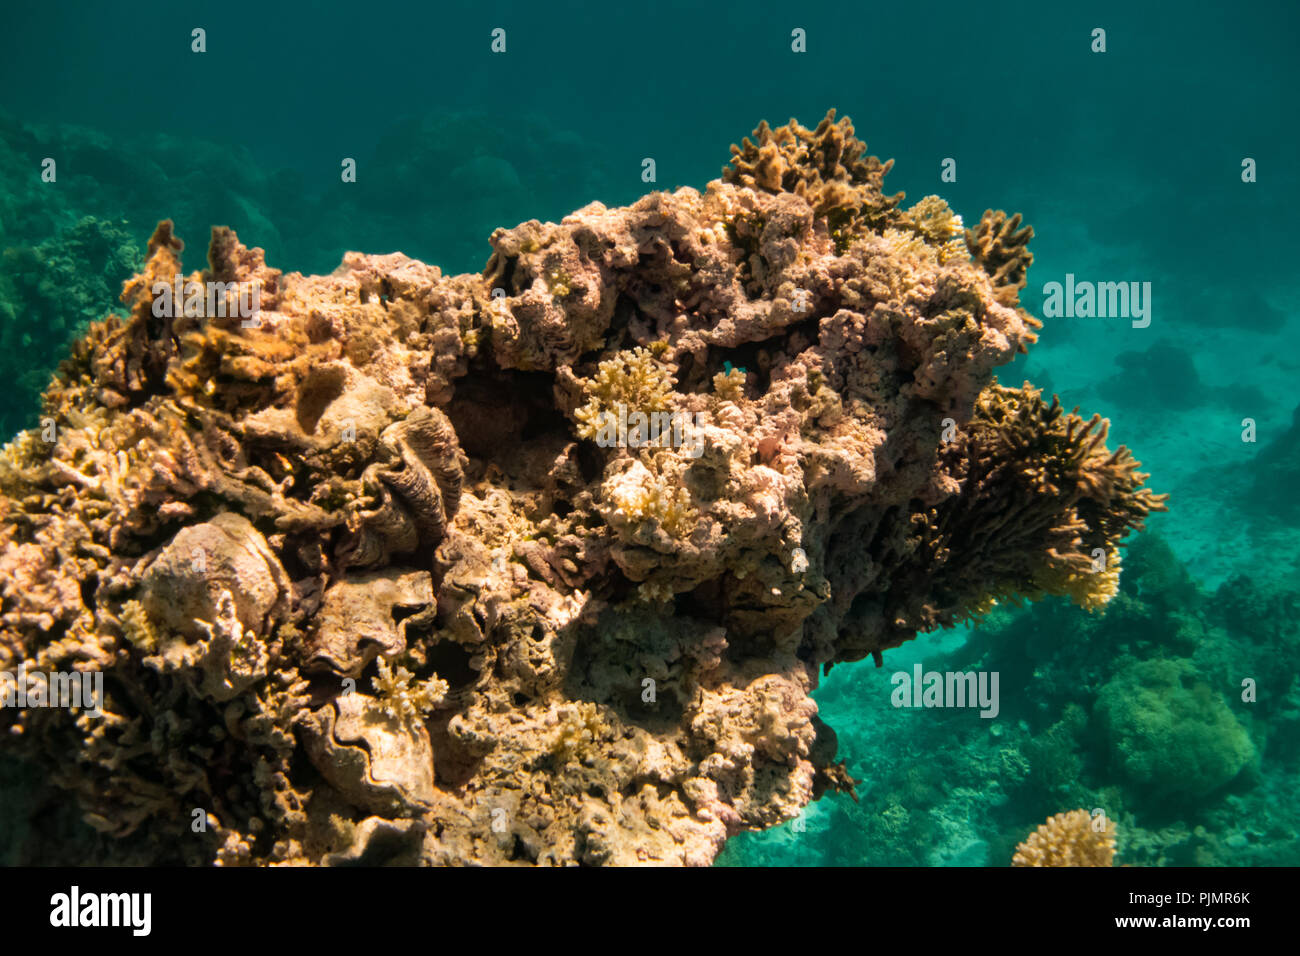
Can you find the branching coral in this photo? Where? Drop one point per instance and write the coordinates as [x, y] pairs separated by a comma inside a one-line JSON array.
[[241, 522], [633, 380], [580, 730], [1042, 506], [729, 386], [1069, 839], [942, 228], [828, 166], [1001, 246], [404, 698], [639, 494]]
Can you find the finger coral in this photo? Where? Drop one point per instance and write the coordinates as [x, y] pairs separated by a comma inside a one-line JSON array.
[[366, 585], [1001, 246], [1069, 839]]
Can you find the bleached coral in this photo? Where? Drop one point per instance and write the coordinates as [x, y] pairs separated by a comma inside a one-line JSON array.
[[639, 494]]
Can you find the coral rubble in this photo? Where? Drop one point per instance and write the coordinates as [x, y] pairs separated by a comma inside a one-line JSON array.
[[365, 588]]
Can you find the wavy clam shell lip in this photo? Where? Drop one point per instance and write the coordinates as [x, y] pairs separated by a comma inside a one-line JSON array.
[[367, 615], [432, 572], [379, 762]]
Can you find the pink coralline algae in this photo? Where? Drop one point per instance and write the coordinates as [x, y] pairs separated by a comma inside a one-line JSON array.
[[370, 581]]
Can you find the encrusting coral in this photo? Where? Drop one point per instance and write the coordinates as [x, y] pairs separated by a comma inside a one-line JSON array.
[[366, 587], [1069, 839]]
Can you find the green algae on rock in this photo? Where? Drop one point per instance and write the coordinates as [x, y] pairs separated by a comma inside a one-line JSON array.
[[605, 654], [1170, 734]]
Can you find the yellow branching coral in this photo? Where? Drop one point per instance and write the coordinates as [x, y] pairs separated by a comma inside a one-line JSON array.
[[581, 725], [915, 260], [901, 242], [1062, 456], [729, 386], [1042, 509], [917, 257], [403, 698], [942, 228], [934, 219], [632, 379], [1069, 839], [828, 166], [1090, 585]]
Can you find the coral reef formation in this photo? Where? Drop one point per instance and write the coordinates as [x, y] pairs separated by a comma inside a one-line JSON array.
[[365, 588], [1069, 839]]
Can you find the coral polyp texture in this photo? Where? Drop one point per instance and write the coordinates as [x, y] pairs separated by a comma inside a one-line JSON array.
[[1069, 839], [366, 588]]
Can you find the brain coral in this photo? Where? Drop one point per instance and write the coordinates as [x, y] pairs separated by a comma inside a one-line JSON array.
[[365, 586], [1169, 733]]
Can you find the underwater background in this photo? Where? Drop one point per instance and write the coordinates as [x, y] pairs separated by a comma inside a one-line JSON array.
[[1128, 163]]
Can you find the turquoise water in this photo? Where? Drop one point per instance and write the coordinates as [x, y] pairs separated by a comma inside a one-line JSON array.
[[1128, 163]]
